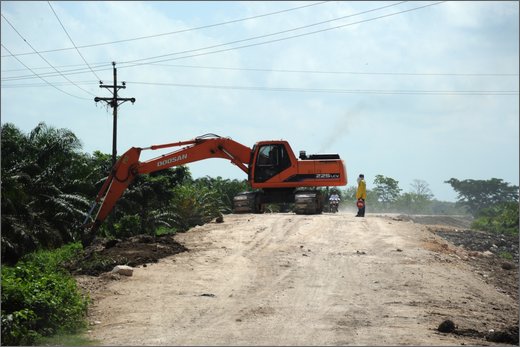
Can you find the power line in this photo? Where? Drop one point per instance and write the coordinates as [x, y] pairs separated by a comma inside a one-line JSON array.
[[265, 42], [288, 89], [22, 85], [335, 72], [41, 56], [180, 31], [323, 72], [335, 91], [44, 80], [70, 38], [272, 34], [375, 73], [260, 43], [97, 67], [44, 67], [319, 72], [257, 37], [278, 33]]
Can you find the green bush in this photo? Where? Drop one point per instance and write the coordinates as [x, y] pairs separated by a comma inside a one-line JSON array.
[[501, 218], [39, 298], [505, 255]]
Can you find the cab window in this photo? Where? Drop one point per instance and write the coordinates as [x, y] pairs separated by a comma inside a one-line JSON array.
[[271, 160]]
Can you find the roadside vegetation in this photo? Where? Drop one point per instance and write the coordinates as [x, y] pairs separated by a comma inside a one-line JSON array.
[[40, 298], [493, 204], [386, 196], [48, 184]]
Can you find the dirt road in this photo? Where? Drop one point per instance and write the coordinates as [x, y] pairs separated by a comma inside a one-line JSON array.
[[285, 279]]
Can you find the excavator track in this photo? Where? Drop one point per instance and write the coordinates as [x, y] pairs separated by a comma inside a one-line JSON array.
[[248, 202], [305, 202], [308, 202]]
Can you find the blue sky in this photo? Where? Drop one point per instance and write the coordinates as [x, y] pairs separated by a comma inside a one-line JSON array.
[[429, 94]]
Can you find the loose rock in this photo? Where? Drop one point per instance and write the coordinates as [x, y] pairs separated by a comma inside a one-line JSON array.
[[447, 326], [124, 270]]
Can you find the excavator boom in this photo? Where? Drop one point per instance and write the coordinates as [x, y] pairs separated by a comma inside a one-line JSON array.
[[128, 167]]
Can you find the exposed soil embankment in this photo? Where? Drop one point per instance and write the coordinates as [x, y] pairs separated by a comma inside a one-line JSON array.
[[104, 254]]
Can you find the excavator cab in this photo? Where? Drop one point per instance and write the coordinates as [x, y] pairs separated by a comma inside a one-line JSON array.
[[271, 159], [279, 177], [274, 165]]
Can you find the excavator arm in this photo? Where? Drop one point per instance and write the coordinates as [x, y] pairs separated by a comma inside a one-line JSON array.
[[128, 167]]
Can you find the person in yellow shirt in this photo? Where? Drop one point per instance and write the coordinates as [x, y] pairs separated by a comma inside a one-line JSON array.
[[361, 195]]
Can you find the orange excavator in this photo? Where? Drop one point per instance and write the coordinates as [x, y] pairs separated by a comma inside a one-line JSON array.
[[271, 166]]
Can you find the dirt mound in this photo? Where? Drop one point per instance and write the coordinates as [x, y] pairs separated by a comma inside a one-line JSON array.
[[104, 254], [508, 335], [492, 256], [499, 244]]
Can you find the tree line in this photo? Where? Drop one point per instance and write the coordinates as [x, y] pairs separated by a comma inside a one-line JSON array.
[[48, 183], [492, 203], [387, 196]]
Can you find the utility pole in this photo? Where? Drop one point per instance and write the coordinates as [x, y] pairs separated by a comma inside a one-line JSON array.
[[114, 102]]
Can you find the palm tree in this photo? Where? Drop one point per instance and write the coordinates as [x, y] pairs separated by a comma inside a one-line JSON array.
[[147, 200], [41, 175]]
